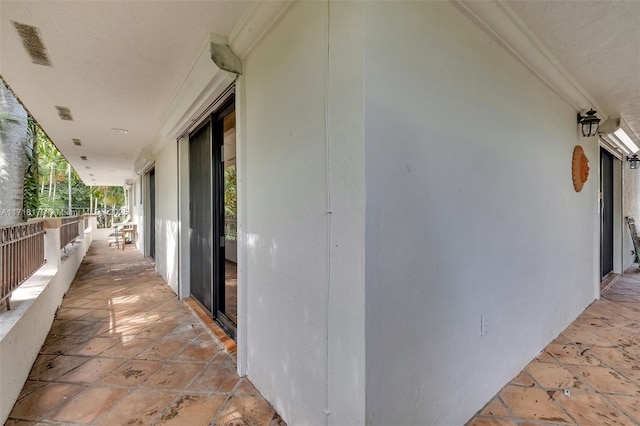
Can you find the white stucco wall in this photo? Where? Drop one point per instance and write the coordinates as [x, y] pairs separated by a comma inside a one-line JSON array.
[[470, 212], [305, 216], [166, 223]]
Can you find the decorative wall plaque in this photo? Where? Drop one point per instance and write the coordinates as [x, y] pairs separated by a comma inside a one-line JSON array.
[[579, 168]]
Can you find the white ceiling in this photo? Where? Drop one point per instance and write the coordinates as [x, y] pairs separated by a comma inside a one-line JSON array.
[[119, 64], [116, 64], [598, 44]]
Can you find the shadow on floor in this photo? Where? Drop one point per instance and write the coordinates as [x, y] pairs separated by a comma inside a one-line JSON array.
[[124, 351]]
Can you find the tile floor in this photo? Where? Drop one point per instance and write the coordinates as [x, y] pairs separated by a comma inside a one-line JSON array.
[[589, 375], [124, 351]]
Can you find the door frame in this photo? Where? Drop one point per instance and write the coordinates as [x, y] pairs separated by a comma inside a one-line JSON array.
[[184, 250], [618, 219], [149, 206]]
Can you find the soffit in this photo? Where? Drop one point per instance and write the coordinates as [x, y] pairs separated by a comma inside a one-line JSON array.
[[116, 64], [598, 44]]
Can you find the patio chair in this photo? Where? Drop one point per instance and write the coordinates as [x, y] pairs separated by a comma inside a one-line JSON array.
[[118, 234], [634, 237]]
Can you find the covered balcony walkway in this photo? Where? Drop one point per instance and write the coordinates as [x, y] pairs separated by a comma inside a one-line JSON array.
[[589, 375], [124, 351]]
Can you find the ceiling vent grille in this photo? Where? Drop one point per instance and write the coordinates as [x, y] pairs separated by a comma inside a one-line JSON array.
[[77, 142], [83, 157], [32, 43], [64, 113]]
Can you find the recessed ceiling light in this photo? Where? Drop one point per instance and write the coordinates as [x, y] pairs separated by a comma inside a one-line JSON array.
[[121, 131], [87, 167], [90, 174], [83, 157]]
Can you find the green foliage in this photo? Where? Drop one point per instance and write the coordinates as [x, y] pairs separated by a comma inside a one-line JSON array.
[[230, 191], [30, 201], [53, 197]]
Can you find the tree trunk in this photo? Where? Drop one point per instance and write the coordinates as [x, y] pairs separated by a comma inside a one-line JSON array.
[[50, 180], [13, 159]]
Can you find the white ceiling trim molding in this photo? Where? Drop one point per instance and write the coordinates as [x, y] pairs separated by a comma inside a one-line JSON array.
[[204, 84], [497, 19], [255, 23]]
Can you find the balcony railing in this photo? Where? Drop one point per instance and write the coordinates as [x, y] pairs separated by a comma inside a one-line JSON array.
[[21, 254], [68, 230]]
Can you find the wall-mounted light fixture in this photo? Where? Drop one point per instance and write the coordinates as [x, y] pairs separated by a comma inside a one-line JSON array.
[[634, 161], [589, 123]]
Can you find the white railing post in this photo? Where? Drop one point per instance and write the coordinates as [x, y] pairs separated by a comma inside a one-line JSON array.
[[81, 226], [52, 242]]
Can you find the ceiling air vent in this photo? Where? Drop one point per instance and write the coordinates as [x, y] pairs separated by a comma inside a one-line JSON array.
[[83, 157], [64, 113], [33, 44], [77, 142]]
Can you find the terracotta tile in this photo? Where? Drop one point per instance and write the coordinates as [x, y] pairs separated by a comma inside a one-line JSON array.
[[522, 379], [162, 350], [532, 404], [192, 410], [216, 378], [68, 327], [97, 315], [494, 408], [573, 355], [185, 332], [616, 357], [586, 338], [92, 370], [87, 406], [170, 306], [604, 379], [95, 328], [93, 346], [138, 408], [629, 404], [554, 376], [624, 339], [50, 367], [14, 422], [71, 313], [561, 340], [132, 373], [245, 387], [174, 375], [60, 345], [198, 351], [43, 400], [127, 348], [246, 410], [29, 387], [544, 356], [206, 336], [632, 374], [122, 308], [157, 330], [223, 358], [592, 409], [486, 421]]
